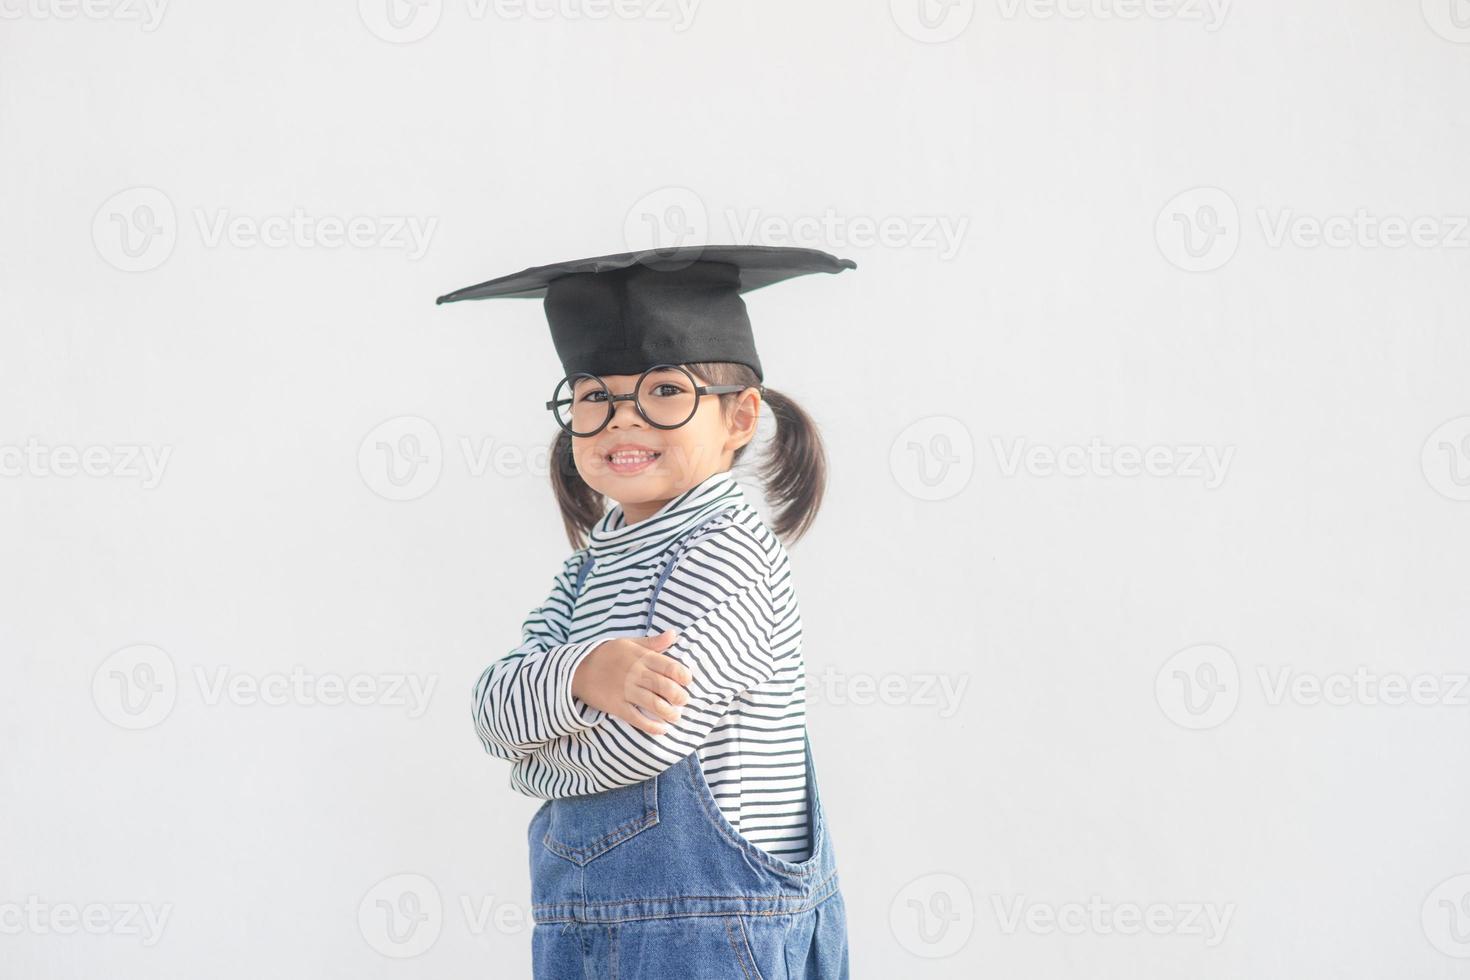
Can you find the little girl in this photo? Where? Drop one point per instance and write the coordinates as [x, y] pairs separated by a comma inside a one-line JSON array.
[[657, 701]]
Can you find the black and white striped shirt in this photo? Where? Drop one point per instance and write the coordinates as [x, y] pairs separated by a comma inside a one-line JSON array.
[[733, 603]]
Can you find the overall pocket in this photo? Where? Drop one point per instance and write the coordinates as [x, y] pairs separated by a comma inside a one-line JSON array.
[[580, 828]]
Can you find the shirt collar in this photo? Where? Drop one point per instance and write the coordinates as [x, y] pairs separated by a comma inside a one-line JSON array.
[[611, 540]]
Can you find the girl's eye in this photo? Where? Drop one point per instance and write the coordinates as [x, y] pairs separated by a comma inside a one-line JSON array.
[[666, 389], [595, 395]]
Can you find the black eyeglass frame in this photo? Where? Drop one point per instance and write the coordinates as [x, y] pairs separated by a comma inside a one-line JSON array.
[[612, 400]]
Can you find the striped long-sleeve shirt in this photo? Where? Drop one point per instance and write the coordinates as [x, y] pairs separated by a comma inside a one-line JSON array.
[[732, 601]]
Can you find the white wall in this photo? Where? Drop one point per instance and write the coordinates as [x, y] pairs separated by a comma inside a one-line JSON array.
[[1098, 225]]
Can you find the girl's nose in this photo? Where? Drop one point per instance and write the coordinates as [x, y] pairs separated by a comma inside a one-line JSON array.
[[622, 410]]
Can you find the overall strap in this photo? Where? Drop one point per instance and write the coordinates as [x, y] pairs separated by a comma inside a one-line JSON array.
[[582, 575], [694, 534], [697, 532]]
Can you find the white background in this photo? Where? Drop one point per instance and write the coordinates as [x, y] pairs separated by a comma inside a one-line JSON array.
[[1131, 192]]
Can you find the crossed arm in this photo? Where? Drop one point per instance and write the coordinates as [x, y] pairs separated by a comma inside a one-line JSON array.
[[718, 599], [524, 699]]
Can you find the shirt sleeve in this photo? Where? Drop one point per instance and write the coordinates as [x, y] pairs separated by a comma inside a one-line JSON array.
[[524, 699], [719, 599]]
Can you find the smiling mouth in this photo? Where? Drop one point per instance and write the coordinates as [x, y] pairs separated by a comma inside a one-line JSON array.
[[632, 456]]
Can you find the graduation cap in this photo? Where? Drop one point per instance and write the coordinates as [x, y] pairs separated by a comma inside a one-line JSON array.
[[624, 313]]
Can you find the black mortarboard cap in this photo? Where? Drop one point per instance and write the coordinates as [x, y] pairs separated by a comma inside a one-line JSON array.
[[624, 313]]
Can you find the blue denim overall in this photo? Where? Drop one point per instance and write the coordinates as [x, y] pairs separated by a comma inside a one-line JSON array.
[[651, 881]]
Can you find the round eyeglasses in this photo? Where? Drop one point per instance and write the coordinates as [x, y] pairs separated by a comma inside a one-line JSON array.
[[666, 396]]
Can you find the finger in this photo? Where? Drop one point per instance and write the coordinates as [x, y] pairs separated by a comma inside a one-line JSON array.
[[660, 641], [665, 687], [657, 705], [632, 716], [669, 667]]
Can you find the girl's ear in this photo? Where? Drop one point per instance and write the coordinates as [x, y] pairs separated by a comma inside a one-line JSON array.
[[744, 418]]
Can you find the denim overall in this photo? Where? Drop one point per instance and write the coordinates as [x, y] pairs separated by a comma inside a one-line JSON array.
[[651, 881]]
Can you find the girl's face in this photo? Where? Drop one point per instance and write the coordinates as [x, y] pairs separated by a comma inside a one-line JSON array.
[[643, 467]]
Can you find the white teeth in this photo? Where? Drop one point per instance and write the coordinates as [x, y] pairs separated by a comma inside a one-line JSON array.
[[628, 456]]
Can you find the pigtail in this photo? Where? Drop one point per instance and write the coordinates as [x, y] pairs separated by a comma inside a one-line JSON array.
[[794, 473], [581, 506]]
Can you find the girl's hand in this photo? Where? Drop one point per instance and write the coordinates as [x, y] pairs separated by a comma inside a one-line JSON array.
[[627, 673]]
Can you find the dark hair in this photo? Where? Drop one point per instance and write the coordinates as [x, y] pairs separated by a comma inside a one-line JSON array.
[[793, 474]]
